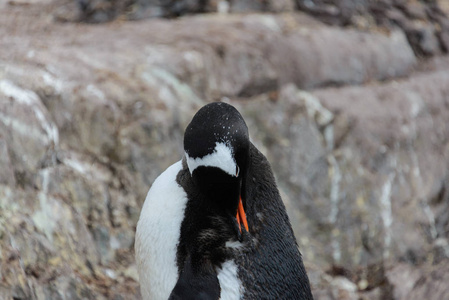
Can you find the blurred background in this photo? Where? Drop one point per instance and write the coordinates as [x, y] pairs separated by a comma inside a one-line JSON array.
[[348, 99]]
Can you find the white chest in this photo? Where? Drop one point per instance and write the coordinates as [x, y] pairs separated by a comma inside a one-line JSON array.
[[230, 285], [157, 235]]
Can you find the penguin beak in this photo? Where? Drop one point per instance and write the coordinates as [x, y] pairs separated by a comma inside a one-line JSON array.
[[241, 216]]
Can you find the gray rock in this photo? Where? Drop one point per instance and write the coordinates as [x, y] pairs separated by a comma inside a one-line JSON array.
[[418, 283], [361, 14], [423, 38], [7, 176], [26, 126], [313, 58], [394, 161]]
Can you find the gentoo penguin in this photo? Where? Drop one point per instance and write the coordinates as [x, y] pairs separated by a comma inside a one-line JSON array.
[[213, 225]]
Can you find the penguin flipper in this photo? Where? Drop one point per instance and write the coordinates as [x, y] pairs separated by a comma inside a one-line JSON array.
[[200, 285]]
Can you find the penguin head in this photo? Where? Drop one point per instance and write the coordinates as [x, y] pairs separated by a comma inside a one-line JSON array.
[[216, 144]]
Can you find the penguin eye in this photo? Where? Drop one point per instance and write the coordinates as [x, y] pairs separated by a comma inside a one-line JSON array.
[[237, 171]]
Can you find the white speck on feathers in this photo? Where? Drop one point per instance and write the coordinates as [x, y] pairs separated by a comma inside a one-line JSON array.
[[234, 244]]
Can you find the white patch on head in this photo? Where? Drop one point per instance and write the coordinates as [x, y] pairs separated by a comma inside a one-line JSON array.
[[157, 235], [222, 158], [231, 287]]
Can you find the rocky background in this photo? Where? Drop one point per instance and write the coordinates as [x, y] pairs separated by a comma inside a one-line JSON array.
[[348, 99]]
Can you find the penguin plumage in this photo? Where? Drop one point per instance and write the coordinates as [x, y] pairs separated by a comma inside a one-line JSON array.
[[213, 225]]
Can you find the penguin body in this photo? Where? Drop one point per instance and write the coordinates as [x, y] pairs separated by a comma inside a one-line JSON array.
[[157, 235], [213, 225]]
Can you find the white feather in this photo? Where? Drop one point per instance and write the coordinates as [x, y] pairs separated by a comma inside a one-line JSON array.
[[221, 158], [231, 287], [157, 235]]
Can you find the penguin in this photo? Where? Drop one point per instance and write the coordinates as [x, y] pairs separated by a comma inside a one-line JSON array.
[[213, 225]]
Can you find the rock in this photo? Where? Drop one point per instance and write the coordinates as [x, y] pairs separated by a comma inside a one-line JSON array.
[[432, 284], [329, 13], [236, 65], [423, 39], [338, 288], [99, 11], [342, 12], [354, 57], [245, 6], [394, 162], [444, 6], [26, 126], [444, 40], [281, 5], [90, 115], [415, 10], [7, 176], [365, 14], [418, 283], [386, 14]]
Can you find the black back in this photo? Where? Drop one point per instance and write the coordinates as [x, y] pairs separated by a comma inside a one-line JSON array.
[[269, 262], [196, 286], [273, 267], [270, 266]]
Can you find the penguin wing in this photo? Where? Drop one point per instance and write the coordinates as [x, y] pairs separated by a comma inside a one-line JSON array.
[[196, 285]]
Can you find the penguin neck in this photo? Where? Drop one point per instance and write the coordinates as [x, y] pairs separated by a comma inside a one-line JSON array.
[[209, 220], [218, 190]]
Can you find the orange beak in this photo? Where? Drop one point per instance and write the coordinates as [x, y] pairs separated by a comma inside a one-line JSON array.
[[241, 216]]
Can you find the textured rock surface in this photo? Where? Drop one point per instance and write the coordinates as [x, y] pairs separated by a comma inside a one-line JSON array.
[[90, 115], [423, 22]]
